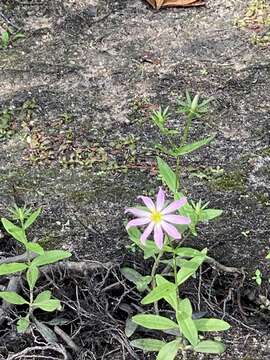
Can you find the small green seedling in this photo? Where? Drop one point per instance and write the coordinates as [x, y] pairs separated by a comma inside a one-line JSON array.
[[36, 257], [8, 38], [6, 123], [258, 277]]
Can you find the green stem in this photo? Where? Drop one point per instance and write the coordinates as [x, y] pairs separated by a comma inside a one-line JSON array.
[[182, 143], [153, 272], [155, 266], [186, 130], [175, 281], [177, 172]]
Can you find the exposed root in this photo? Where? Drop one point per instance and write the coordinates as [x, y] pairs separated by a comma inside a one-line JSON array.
[[49, 352]]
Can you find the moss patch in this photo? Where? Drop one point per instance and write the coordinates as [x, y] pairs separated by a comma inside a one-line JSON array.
[[231, 181], [263, 198]]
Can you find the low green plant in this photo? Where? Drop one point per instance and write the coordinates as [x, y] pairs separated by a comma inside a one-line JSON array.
[[173, 263], [8, 38], [258, 274], [36, 257], [258, 277], [6, 116]]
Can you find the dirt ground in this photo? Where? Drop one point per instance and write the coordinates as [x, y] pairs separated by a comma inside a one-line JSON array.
[[78, 90]]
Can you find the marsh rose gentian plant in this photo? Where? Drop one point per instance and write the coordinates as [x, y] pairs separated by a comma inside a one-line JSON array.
[[158, 217]]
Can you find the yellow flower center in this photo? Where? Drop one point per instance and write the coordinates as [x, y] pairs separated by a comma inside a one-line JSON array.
[[156, 216]]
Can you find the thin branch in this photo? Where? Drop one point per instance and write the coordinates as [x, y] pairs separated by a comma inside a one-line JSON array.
[[8, 21], [66, 339], [215, 264]]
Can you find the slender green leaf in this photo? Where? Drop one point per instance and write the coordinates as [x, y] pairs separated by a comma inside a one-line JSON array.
[[148, 344], [190, 267], [171, 298], [32, 275], [188, 328], [23, 324], [209, 214], [18, 36], [186, 323], [179, 261], [58, 321], [14, 230], [13, 298], [142, 284], [32, 218], [35, 248], [155, 322], [211, 325], [130, 327], [48, 305], [209, 347], [5, 39], [169, 351], [12, 268], [187, 252], [50, 257], [167, 174], [46, 332], [158, 293], [268, 256], [185, 307], [131, 274], [186, 149]]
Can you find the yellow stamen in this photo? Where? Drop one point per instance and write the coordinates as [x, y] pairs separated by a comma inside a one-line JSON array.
[[156, 216]]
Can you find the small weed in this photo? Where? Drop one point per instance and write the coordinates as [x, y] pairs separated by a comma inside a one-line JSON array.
[[29, 271], [257, 18], [8, 38], [6, 119]]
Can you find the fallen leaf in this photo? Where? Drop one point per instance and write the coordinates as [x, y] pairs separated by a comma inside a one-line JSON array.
[[157, 4]]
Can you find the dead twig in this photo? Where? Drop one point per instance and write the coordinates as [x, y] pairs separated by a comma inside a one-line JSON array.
[[66, 339], [8, 21], [229, 269]]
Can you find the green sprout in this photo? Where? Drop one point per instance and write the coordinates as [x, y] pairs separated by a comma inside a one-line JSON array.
[[35, 258], [258, 277]]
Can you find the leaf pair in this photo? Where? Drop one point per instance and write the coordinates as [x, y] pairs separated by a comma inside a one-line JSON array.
[[47, 257], [42, 301], [136, 278]]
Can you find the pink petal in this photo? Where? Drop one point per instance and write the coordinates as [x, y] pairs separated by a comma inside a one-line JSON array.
[[138, 222], [160, 199], [138, 212], [175, 205], [147, 232], [177, 219], [148, 202], [158, 236], [171, 230]]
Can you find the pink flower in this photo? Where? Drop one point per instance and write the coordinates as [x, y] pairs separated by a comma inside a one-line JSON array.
[[158, 218]]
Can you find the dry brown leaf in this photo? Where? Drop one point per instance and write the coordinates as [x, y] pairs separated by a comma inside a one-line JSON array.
[[157, 4]]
